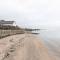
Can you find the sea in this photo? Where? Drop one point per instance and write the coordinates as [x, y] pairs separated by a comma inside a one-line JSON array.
[[51, 39]]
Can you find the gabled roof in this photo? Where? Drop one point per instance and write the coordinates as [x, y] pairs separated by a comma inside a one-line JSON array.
[[6, 22]]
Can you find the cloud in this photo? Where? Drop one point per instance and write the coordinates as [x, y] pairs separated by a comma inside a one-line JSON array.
[[31, 12]]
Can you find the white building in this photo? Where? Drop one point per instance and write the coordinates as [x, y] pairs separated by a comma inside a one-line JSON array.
[[10, 23]]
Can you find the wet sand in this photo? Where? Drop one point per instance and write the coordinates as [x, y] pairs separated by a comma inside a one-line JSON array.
[[23, 47], [53, 46]]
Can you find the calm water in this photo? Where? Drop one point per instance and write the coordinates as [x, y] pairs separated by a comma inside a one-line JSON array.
[[50, 33], [51, 38]]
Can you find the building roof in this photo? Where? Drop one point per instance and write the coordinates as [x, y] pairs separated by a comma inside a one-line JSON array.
[[6, 22]]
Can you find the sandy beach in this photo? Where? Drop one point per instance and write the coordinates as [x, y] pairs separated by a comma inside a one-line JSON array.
[[23, 47]]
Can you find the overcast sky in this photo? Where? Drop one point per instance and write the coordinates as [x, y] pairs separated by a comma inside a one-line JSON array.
[[31, 12]]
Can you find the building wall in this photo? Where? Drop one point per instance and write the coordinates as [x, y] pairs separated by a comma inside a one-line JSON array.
[[8, 24], [14, 24]]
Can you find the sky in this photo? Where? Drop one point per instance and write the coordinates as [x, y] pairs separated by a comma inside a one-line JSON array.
[[31, 13]]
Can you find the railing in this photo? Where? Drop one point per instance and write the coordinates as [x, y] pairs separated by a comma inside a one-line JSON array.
[[4, 33]]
